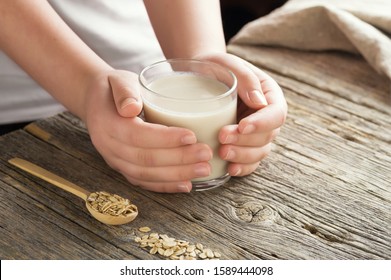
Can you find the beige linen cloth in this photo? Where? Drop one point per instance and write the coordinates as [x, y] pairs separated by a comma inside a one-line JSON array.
[[356, 26]]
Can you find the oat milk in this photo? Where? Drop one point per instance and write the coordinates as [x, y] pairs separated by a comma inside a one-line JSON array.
[[195, 108]]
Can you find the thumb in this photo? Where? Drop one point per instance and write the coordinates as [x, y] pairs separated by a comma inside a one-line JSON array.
[[126, 93], [255, 99], [249, 85]]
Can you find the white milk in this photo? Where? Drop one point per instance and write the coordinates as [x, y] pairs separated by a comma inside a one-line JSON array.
[[204, 117]]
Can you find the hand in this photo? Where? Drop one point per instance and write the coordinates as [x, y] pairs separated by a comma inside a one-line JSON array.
[[155, 157], [262, 110]]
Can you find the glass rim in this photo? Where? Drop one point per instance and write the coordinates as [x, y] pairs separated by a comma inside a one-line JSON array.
[[231, 89]]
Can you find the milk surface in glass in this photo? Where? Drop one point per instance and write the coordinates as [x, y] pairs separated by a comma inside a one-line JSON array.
[[189, 100]]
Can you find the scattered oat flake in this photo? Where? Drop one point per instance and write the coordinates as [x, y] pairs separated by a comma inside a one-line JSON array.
[[144, 229], [174, 249]]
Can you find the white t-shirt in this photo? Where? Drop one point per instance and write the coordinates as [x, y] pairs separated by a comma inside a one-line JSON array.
[[119, 31]]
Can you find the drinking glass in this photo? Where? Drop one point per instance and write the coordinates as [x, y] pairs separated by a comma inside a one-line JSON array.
[[198, 95]]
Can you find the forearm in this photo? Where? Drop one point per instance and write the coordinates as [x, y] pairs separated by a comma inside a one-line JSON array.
[[187, 28], [36, 38]]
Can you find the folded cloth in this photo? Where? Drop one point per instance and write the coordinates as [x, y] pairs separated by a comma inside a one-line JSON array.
[[360, 26]]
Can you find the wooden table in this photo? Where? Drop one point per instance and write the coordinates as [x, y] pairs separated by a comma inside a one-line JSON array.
[[323, 193]]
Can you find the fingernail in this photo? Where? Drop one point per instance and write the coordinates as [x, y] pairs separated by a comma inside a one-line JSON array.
[[184, 187], [257, 97], [248, 129], [128, 101], [230, 139], [237, 172], [201, 170], [204, 155], [189, 139], [230, 155]]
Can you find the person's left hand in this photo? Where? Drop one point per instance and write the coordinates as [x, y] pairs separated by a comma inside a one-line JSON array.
[[262, 110]]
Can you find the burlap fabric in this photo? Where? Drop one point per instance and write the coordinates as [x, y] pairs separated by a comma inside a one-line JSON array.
[[357, 26]]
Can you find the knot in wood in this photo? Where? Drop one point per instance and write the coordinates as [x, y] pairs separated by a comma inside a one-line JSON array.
[[254, 212]]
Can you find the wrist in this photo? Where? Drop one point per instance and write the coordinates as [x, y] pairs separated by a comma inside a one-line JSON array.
[[92, 81]]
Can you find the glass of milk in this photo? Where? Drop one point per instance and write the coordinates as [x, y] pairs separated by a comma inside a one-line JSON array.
[[198, 95]]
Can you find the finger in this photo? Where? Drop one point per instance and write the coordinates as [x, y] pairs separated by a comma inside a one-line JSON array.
[[267, 119], [274, 114], [238, 169], [162, 187], [126, 93], [270, 88], [136, 132], [244, 155], [162, 174], [231, 135], [164, 157], [243, 169]]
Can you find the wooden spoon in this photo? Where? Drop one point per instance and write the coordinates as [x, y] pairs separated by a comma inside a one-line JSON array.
[[74, 189]]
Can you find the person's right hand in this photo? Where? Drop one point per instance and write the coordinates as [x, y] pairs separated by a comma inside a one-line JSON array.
[[152, 156]]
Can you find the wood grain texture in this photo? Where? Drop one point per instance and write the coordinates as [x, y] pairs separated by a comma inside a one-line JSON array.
[[323, 193]]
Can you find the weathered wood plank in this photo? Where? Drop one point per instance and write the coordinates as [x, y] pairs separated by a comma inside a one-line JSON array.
[[65, 212], [328, 231], [31, 230], [335, 147]]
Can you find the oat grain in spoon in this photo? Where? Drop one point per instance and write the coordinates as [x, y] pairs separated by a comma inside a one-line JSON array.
[[107, 208]]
